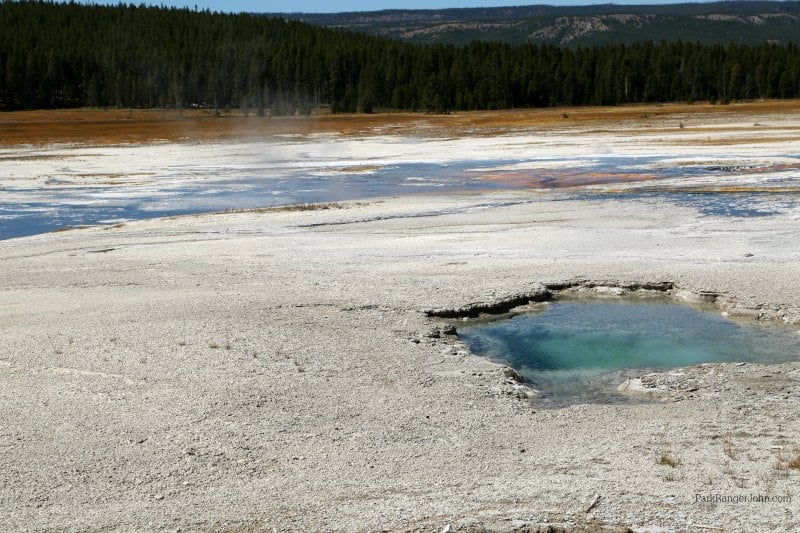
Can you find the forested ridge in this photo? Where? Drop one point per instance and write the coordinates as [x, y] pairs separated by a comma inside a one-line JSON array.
[[68, 55], [729, 21]]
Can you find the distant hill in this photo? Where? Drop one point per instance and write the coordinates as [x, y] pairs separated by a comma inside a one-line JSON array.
[[752, 22]]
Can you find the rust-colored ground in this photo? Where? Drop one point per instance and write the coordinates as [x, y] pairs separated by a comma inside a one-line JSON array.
[[123, 126]]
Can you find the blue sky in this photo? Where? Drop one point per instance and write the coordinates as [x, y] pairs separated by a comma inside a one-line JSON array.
[[330, 6]]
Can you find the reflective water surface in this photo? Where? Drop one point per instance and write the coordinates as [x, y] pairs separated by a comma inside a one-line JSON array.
[[48, 188], [580, 351]]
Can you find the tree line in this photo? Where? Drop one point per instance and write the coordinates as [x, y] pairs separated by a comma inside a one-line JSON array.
[[55, 55]]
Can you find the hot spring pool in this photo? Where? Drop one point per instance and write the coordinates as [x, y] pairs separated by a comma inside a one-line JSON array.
[[579, 351]]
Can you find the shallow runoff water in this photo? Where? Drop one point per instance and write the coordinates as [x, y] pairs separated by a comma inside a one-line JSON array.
[[579, 351], [53, 187]]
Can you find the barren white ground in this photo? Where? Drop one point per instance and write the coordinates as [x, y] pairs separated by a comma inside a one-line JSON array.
[[258, 370]]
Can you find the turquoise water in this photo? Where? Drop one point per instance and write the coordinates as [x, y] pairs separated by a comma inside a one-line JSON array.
[[580, 351]]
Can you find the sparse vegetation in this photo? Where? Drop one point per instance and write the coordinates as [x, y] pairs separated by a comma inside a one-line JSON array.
[[668, 459], [728, 447], [728, 470], [666, 456], [784, 464], [781, 470], [780, 466]]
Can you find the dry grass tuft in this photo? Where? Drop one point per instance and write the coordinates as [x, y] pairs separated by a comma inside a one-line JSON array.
[[667, 458], [781, 465], [728, 447]]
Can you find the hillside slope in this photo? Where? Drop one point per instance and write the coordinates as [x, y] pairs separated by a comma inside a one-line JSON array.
[[713, 23], [144, 57]]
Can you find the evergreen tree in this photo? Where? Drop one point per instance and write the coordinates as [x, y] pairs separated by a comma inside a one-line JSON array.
[[70, 55]]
